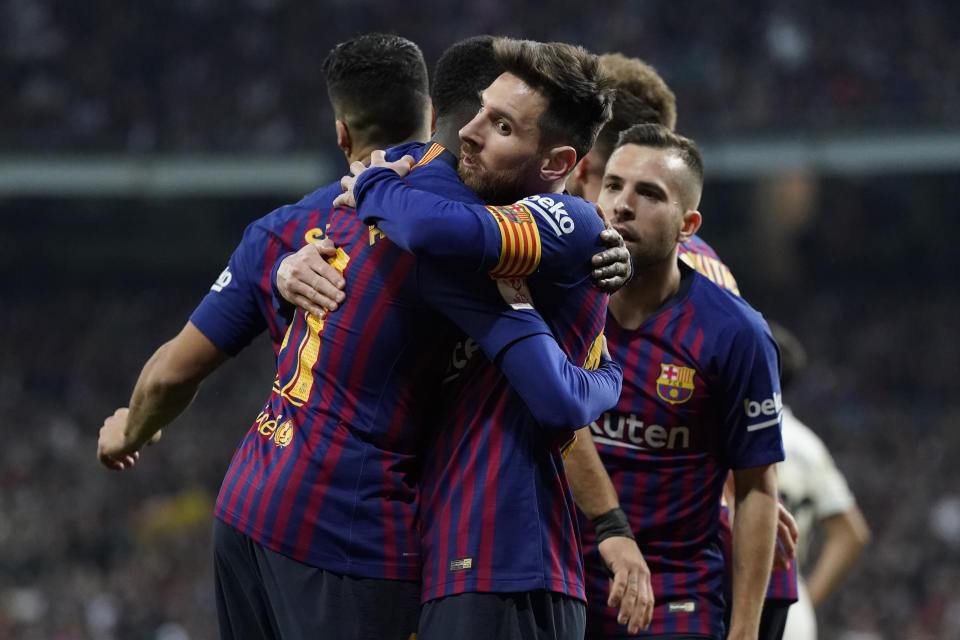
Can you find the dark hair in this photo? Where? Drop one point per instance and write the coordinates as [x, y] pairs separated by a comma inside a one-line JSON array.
[[377, 84], [793, 357], [659, 137], [578, 93], [464, 70], [640, 96]]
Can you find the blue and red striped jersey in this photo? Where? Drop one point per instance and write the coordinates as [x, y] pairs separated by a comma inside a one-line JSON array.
[[327, 473], [497, 514], [240, 305], [701, 396]]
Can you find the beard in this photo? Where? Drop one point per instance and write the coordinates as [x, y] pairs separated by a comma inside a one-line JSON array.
[[499, 186], [647, 251]]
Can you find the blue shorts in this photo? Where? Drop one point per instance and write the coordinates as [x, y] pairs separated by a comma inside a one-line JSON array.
[[262, 595], [527, 615]]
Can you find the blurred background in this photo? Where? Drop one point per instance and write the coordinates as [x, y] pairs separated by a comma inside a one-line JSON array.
[[137, 140]]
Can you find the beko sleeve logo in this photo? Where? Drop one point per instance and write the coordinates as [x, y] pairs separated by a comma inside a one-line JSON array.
[[768, 408], [552, 212], [222, 281]]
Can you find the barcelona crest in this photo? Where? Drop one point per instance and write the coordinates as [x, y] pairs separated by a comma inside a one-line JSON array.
[[675, 384]]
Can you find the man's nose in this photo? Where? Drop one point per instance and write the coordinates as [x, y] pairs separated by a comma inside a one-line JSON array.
[[469, 133], [622, 208]]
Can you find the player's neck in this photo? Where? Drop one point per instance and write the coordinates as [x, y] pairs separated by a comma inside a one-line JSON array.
[[362, 152], [447, 134], [649, 289]]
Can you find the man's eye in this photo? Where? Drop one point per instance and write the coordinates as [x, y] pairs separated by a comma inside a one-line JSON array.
[[612, 186], [503, 127]]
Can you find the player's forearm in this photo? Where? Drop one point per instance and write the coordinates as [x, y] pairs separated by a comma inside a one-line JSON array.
[[592, 489], [425, 224], [847, 535], [558, 393], [754, 536], [158, 398], [168, 383]]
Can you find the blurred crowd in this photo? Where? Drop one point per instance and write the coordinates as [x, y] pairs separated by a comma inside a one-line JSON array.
[[200, 75], [90, 553]]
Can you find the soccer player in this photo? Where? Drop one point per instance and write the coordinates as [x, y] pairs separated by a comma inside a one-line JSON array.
[[489, 473], [816, 491], [643, 97], [700, 398]]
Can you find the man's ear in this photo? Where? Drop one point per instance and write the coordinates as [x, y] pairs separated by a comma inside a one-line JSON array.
[[343, 137], [558, 162], [691, 224]]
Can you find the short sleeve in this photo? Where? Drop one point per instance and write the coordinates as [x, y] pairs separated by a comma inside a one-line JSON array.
[[234, 310], [550, 236], [751, 400]]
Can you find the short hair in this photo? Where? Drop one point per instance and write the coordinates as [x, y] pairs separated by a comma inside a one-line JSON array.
[[464, 70], [378, 85], [640, 96], [578, 92], [658, 136], [793, 357]]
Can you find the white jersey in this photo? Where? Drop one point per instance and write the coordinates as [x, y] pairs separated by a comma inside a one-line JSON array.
[[812, 489], [808, 479]]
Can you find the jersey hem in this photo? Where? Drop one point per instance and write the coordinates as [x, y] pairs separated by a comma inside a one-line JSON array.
[[354, 568]]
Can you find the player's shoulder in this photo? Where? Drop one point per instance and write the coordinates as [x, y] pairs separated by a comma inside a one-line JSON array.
[[699, 246], [727, 313], [415, 149], [564, 214], [321, 198], [290, 220]]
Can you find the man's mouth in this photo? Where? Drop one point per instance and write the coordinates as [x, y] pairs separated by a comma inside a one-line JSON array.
[[465, 158], [624, 233]]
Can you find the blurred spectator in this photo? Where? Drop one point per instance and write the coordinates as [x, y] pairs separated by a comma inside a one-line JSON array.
[[195, 75]]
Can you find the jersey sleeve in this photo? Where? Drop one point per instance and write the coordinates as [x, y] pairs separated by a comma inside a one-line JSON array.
[[554, 235], [518, 340], [233, 313], [425, 224], [751, 400], [242, 302]]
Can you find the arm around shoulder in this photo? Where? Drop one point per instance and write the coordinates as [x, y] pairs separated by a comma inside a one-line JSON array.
[[558, 393]]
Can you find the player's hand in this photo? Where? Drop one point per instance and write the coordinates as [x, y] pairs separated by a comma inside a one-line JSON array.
[[604, 349], [377, 159], [113, 451], [307, 280], [613, 265], [788, 534], [630, 588]]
